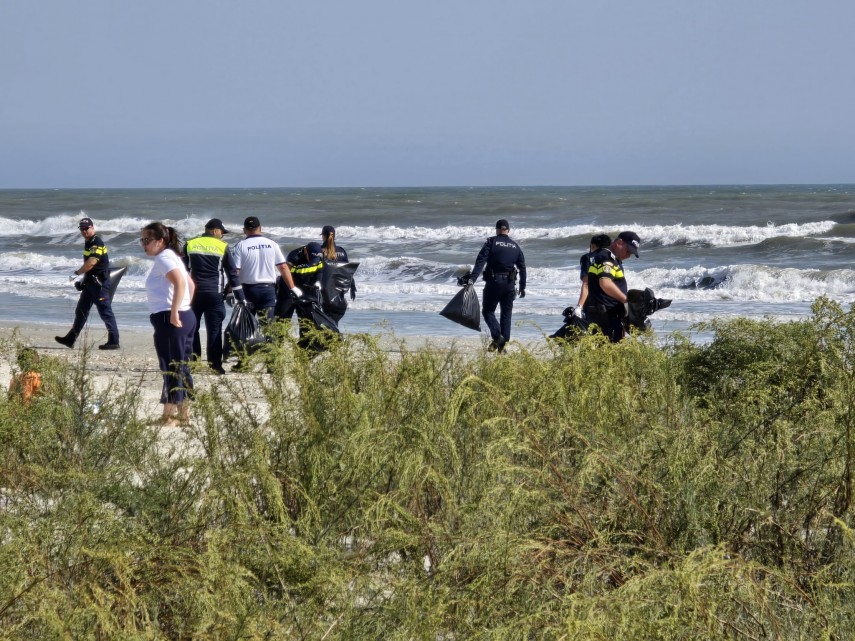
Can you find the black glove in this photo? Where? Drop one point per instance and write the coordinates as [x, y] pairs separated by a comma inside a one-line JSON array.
[[230, 300], [522, 293], [78, 285], [353, 293]]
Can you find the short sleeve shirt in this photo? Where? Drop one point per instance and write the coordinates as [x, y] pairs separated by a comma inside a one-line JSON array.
[[158, 288], [95, 248], [604, 265], [257, 257]]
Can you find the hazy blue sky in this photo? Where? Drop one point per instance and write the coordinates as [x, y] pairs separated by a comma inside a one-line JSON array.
[[207, 93]]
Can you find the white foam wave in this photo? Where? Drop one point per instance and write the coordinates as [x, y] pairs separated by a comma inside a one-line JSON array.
[[62, 226], [44, 264], [715, 235]]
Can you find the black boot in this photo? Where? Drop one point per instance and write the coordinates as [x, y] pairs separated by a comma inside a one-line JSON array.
[[67, 340], [112, 342]]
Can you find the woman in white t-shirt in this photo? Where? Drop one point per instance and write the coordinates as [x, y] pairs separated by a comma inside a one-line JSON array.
[[169, 290]]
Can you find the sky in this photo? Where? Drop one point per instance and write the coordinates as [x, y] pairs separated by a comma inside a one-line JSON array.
[[352, 93]]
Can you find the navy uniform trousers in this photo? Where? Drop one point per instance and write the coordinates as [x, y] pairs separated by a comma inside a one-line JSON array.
[[499, 291], [94, 293], [210, 306]]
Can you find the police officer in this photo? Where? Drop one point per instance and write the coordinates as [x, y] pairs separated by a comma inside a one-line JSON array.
[[211, 266], [334, 253], [502, 261], [94, 288], [257, 260], [286, 304], [606, 304], [597, 242]]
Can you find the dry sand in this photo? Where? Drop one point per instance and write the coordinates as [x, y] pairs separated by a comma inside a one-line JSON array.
[[135, 364]]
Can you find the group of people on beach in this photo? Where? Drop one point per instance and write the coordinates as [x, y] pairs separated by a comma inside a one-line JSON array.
[[192, 282], [603, 300]]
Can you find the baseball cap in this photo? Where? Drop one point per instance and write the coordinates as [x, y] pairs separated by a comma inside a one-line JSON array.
[[502, 224], [216, 223], [632, 241], [328, 229], [85, 223], [315, 252], [251, 222]]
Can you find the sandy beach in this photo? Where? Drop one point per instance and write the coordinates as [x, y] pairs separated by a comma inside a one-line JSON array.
[[135, 364]]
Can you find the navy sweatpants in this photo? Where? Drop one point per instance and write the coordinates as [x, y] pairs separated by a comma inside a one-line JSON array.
[[174, 346]]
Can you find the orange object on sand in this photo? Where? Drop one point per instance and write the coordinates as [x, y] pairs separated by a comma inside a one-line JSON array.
[[27, 385]]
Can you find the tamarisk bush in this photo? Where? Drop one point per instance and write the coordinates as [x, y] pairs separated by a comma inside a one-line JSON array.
[[580, 490]]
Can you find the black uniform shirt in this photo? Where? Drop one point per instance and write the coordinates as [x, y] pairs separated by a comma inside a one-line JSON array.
[[500, 255], [604, 265], [95, 248], [210, 263], [584, 265], [340, 255]]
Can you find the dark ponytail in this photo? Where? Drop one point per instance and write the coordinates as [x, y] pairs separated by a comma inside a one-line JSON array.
[[168, 235]]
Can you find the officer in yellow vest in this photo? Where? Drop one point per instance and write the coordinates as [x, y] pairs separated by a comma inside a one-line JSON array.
[[212, 269]]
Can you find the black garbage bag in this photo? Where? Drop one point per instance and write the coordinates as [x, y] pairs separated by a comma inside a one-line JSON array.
[[243, 333], [464, 308], [311, 315], [336, 279], [115, 278], [641, 305], [573, 325]]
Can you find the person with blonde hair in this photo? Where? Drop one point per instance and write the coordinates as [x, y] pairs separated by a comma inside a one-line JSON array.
[[333, 253]]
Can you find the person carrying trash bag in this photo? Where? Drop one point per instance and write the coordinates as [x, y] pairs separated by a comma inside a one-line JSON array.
[[211, 266], [502, 262], [95, 288], [310, 314], [286, 304], [606, 305], [334, 254]]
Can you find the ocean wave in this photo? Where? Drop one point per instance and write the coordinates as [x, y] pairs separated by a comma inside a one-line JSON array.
[[28, 262], [60, 227]]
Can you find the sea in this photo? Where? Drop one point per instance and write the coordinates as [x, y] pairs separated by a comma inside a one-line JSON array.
[[717, 252]]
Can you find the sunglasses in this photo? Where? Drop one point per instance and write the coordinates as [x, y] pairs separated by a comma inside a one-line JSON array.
[[145, 241], [84, 227]]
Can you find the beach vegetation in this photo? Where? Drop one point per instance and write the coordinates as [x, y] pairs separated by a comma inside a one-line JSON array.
[[579, 490]]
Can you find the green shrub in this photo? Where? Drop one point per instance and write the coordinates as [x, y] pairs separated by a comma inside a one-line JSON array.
[[578, 491]]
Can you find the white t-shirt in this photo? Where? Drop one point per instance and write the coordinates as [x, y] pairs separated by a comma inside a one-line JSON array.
[[158, 288], [257, 257]]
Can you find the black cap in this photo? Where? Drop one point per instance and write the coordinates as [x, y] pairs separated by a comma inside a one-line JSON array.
[[328, 229], [85, 223], [631, 240], [502, 224], [315, 252], [216, 223], [251, 222]]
